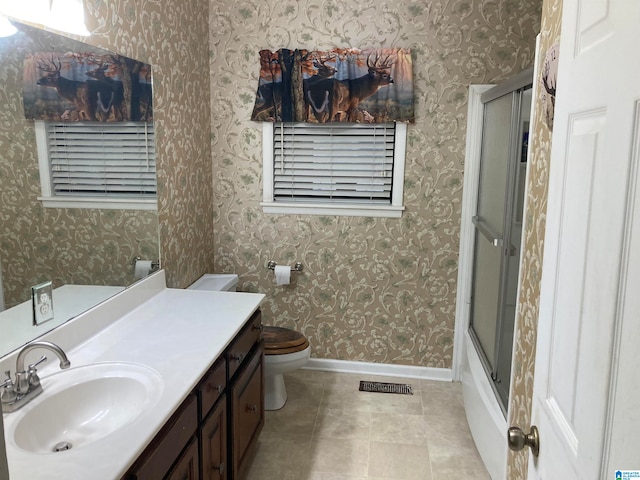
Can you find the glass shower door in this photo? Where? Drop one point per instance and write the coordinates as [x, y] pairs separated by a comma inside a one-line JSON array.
[[497, 244], [489, 223]]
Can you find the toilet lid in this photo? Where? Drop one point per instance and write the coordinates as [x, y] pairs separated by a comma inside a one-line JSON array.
[[279, 341]]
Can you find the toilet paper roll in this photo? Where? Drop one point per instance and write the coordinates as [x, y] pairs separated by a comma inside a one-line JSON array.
[[283, 275], [143, 268]]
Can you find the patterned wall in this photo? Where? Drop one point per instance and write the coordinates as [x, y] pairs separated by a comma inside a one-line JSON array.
[[172, 36], [80, 246], [521, 395], [377, 290]]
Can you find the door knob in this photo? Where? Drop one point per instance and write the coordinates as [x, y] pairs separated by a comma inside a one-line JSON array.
[[518, 439]]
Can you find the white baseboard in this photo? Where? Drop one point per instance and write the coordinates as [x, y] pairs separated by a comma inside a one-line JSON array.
[[384, 369]]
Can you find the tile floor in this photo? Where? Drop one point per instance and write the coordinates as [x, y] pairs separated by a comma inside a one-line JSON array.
[[328, 430]]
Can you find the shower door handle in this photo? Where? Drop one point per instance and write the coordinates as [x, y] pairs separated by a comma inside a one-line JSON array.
[[482, 227]]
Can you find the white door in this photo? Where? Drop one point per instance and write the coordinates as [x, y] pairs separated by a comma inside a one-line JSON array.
[[587, 384]]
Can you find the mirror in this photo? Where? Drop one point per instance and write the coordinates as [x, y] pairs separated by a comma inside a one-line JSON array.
[[85, 252]]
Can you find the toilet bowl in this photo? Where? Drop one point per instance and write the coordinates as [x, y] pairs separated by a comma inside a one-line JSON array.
[[285, 350]]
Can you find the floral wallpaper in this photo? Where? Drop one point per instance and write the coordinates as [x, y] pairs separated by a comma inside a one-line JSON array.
[[172, 37], [373, 289], [380, 290], [523, 366]]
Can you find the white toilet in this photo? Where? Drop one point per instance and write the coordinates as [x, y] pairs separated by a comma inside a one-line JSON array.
[[285, 350], [217, 282]]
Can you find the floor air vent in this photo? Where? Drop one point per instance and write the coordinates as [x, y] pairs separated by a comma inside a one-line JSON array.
[[380, 387]]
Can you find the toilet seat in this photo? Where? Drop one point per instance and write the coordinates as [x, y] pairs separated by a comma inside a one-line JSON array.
[[282, 341]]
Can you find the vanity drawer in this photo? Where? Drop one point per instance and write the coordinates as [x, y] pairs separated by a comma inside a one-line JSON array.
[[211, 388], [161, 454], [243, 343]]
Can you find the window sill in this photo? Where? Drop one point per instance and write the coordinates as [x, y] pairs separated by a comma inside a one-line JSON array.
[[389, 211], [99, 203]]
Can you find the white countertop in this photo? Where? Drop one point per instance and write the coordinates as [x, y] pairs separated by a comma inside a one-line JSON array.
[[178, 333]]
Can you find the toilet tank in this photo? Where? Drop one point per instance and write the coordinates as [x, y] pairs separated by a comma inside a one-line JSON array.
[[216, 282]]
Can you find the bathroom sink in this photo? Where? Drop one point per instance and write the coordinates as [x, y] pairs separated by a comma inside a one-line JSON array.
[[82, 405]]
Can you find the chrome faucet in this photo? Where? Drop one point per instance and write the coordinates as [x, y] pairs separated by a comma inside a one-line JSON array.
[[27, 383]]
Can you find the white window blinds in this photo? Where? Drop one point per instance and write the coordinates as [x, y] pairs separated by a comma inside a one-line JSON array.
[[102, 159], [333, 163]]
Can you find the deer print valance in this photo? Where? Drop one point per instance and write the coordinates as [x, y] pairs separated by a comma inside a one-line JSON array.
[[341, 85], [80, 87]]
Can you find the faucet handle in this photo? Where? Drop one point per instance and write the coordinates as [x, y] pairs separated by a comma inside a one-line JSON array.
[[7, 382], [32, 367], [8, 394]]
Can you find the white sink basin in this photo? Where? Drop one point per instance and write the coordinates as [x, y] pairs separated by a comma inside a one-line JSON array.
[[82, 405]]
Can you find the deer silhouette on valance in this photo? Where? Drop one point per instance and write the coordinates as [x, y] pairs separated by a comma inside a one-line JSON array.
[[87, 86], [341, 85]]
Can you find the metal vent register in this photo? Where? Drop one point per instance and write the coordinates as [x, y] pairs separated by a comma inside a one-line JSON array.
[[380, 387]]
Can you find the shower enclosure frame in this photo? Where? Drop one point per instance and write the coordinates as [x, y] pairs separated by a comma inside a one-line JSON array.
[[485, 415], [500, 243]]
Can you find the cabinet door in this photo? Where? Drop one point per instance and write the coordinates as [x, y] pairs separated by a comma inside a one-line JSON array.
[[187, 467], [163, 451], [214, 443], [247, 410]]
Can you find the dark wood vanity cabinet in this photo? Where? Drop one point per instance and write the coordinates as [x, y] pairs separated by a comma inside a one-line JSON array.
[[213, 444], [245, 363], [247, 412], [188, 465], [166, 450], [214, 433]]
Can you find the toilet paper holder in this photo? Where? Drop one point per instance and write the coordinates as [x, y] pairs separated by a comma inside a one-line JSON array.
[[297, 267], [154, 265]]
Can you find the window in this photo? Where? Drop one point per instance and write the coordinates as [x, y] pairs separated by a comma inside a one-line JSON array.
[[97, 165], [334, 169]]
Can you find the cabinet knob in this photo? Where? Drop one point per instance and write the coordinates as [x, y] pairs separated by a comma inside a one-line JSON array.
[[217, 388], [237, 356], [256, 327], [219, 469], [252, 408]]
